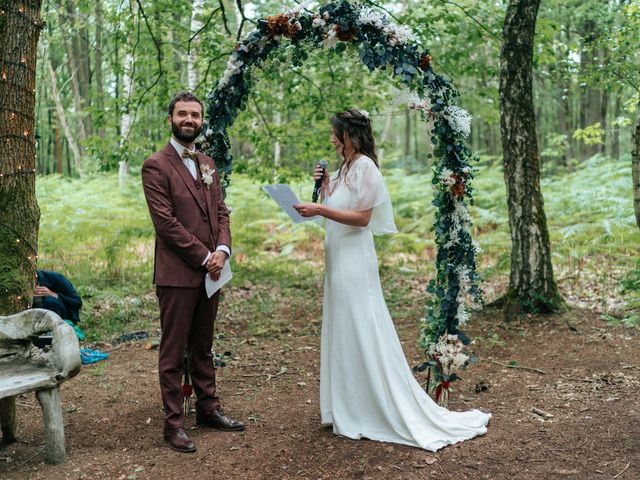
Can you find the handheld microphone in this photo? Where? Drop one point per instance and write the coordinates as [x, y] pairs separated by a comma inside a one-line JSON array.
[[316, 188]]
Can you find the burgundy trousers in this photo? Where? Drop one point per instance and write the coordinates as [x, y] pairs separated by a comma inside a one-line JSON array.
[[187, 316]]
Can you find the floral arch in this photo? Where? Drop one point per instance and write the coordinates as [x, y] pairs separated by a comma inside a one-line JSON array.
[[381, 44]]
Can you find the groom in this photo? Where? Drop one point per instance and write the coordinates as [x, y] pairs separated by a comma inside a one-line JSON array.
[[191, 222]]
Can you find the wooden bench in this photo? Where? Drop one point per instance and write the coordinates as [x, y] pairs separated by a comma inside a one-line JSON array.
[[26, 368]]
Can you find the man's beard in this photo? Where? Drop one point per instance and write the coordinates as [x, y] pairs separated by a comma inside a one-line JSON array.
[[184, 137]]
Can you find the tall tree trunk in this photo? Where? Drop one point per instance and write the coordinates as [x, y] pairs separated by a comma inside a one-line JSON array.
[[635, 169], [62, 117], [615, 128], [531, 284], [20, 27], [407, 136], [590, 98], [277, 146], [196, 25], [78, 50], [564, 116], [98, 71], [604, 105], [58, 151], [383, 138]]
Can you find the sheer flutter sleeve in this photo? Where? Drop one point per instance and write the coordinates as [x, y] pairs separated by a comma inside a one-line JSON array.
[[369, 190]]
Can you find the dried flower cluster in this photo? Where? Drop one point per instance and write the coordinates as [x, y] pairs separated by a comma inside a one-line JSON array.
[[447, 352], [459, 119], [396, 34], [234, 65], [280, 25], [413, 101], [425, 62]]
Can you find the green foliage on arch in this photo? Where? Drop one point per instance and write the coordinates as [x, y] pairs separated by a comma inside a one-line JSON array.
[[381, 45]]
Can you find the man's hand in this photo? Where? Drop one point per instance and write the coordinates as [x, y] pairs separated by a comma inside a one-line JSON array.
[[44, 292], [215, 263]]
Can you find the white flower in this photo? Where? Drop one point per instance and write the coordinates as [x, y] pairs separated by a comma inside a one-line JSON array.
[[461, 314], [297, 11], [463, 278], [234, 66], [318, 22], [372, 17], [207, 175], [446, 177], [459, 119], [396, 34], [411, 100], [330, 38], [365, 113], [402, 33], [262, 42], [208, 133], [447, 351], [461, 222]]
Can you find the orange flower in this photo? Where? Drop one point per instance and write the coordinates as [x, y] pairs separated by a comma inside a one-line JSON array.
[[425, 62], [346, 35], [457, 189], [278, 24]]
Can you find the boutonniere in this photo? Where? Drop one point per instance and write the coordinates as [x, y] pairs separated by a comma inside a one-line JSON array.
[[207, 174]]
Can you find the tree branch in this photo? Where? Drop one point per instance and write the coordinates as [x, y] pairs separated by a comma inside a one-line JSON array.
[[471, 17], [206, 24], [224, 17], [294, 70], [211, 61], [264, 120], [380, 7], [626, 80], [244, 19], [160, 72]]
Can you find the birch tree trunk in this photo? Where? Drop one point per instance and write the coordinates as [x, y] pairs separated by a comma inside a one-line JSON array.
[[532, 287], [635, 169], [77, 48], [196, 25], [127, 87], [62, 118], [615, 135], [20, 26], [383, 138], [98, 71]]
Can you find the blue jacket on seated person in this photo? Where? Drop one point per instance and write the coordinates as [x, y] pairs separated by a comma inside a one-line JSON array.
[[67, 304]]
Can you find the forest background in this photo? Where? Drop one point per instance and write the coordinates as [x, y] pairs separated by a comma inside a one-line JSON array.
[[107, 70], [104, 74]]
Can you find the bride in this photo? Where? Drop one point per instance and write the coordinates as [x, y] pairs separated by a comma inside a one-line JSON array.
[[367, 389]]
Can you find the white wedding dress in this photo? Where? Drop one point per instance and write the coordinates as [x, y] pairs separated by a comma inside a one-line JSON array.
[[366, 386]]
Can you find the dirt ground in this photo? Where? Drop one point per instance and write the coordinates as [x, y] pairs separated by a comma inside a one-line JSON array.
[[577, 417]]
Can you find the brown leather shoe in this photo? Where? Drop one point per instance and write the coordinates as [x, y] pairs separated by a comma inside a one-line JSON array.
[[218, 420], [179, 440]]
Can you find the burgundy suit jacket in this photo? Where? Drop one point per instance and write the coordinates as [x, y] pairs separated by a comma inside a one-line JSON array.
[[190, 220]]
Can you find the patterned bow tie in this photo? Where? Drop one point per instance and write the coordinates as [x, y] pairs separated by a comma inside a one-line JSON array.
[[189, 154]]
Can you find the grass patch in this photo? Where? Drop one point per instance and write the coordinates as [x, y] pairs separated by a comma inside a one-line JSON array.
[[101, 237]]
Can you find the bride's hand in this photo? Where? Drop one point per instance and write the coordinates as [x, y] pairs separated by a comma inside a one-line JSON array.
[[320, 173], [308, 209]]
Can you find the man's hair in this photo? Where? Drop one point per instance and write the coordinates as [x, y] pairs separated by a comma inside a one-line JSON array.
[[184, 97]]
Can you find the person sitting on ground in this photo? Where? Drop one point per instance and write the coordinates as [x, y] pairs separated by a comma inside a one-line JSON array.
[[56, 293]]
